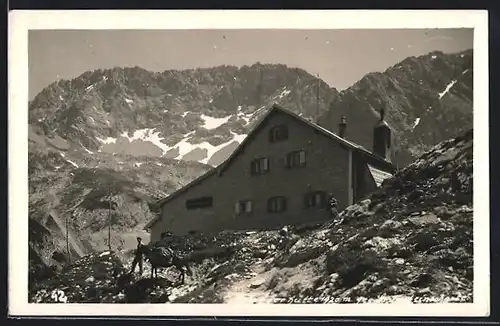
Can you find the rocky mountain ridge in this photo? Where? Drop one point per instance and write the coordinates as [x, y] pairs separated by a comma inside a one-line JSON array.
[[427, 99], [196, 115], [203, 114]]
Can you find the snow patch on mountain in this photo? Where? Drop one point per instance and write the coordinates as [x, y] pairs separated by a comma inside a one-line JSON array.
[[148, 135], [129, 101], [109, 140], [72, 163], [284, 93], [213, 123], [448, 87], [417, 121], [88, 151]]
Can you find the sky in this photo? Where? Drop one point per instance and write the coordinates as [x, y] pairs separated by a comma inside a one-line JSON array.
[[340, 57]]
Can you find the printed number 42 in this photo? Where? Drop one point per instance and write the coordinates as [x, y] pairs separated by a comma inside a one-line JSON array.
[[59, 296]]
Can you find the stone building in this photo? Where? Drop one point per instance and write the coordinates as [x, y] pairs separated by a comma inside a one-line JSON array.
[[280, 174]]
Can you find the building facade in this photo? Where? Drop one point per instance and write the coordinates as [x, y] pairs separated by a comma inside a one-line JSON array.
[[280, 174]]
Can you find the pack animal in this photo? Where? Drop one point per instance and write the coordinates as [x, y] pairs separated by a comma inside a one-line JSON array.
[[162, 257]]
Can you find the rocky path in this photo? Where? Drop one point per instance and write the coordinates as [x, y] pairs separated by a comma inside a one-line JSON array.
[[250, 290]]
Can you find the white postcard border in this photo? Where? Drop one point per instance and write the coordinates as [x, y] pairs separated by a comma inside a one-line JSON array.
[[22, 21]]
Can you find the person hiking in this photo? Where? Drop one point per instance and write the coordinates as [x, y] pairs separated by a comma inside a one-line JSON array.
[[138, 259], [284, 240], [332, 206]]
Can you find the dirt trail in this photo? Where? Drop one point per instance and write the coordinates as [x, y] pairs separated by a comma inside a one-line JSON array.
[[250, 290]]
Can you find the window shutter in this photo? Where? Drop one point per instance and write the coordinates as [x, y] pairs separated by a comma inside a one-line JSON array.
[[249, 206], [302, 157], [283, 201], [287, 159], [317, 199], [237, 208], [265, 164], [269, 205]]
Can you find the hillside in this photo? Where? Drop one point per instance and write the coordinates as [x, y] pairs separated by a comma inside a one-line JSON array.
[[77, 186], [411, 241], [427, 99]]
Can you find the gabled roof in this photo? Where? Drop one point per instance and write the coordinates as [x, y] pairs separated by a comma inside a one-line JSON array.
[[274, 109]]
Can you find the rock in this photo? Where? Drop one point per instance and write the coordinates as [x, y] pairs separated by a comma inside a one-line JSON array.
[[393, 289], [422, 280], [391, 225], [304, 251], [257, 283], [423, 291], [381, 245], [415, 195], [333, 278], [425, 219]]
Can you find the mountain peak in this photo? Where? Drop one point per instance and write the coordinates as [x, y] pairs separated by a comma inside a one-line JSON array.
[[427, 99]]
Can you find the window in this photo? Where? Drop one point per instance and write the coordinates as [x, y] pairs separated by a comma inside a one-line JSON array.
[[243, 207], [276, 204], [315, 199], [202, 202], [278, 133], [296, 159], [259, 166]]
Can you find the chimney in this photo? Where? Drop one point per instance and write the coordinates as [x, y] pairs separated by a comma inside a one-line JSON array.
[[382, 138], [342, 127]]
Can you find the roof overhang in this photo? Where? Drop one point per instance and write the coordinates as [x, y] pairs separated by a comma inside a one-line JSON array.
[[378, 175]]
